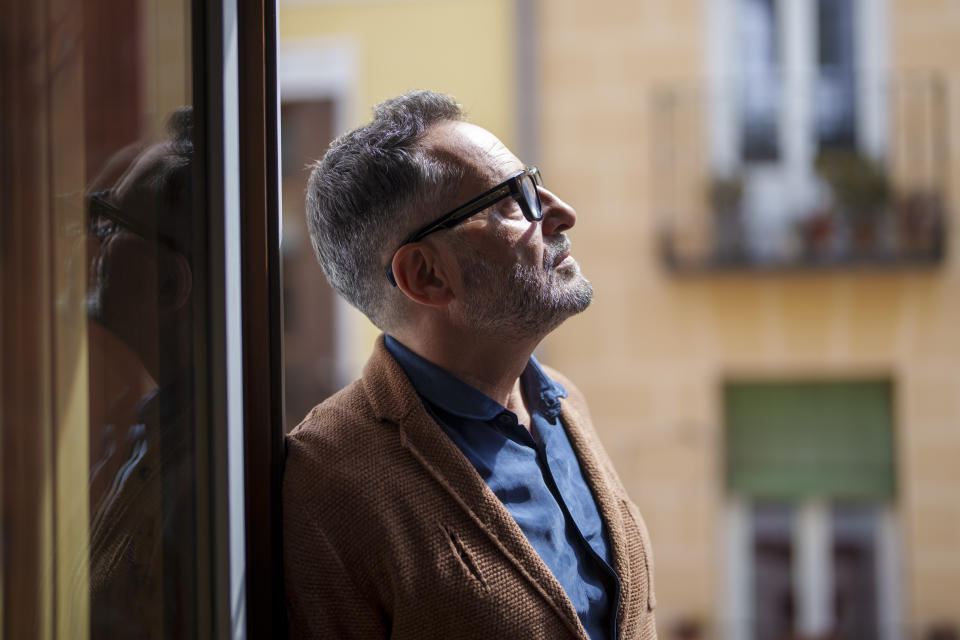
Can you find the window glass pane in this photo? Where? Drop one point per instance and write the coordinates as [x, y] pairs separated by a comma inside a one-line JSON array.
[[855, 578], [772, 571], [104, 465], [760, 89], [835, 91]]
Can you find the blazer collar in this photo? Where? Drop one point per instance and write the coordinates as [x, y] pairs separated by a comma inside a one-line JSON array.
[[609, 504]]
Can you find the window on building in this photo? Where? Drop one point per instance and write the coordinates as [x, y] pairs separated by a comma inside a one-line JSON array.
[[811, 59], [810, 468]]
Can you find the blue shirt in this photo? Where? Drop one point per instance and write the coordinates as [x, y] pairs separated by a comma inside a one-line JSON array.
[[535, 474]]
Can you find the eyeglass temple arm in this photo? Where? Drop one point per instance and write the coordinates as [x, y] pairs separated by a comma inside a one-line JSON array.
[[473, 207]]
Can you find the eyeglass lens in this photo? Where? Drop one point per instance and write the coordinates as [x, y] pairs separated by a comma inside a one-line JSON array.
[[532, 197]]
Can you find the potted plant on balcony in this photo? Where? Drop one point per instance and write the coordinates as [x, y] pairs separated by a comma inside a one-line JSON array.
[[861, 192]]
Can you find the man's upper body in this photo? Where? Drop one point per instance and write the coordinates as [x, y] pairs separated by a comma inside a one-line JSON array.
[[458, 489], [389, 531]]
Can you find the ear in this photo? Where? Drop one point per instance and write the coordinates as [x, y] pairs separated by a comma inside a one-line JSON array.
[[421, 275]]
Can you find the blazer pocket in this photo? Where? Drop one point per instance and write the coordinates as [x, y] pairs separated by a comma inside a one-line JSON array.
[[463, 556], [637, 527]]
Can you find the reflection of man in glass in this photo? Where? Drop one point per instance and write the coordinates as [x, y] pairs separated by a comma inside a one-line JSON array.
[[141, 477]]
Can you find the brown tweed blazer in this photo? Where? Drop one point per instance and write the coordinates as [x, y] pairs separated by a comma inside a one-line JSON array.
[[390, 532]]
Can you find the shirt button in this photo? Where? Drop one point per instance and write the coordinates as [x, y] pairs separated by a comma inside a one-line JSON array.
[[505, 420]]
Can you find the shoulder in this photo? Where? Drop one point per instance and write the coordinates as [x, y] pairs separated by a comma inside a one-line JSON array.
[[327, 423], [339, 430], [333, 432], [336, 449]]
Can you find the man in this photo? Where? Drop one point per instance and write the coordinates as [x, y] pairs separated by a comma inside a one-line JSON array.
[[457, 490]]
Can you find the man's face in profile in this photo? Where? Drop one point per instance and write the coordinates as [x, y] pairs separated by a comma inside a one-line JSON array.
[[519, 275]]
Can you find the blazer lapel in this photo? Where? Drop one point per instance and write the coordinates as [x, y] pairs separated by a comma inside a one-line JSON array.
[[395, 400], [608, 504]]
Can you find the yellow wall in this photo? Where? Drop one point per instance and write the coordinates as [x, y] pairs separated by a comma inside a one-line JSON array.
[[461, 47]]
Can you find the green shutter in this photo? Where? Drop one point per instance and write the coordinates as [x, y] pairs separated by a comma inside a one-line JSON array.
[[810, 439]]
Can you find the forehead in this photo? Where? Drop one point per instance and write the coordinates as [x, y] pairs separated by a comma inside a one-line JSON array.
[[475, 148]]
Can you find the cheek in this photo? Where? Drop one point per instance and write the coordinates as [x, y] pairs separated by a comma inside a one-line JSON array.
[[509, 242], [525, 243], [500, 244]]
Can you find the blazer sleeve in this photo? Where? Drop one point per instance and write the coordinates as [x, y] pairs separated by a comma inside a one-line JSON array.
[[323, 599]]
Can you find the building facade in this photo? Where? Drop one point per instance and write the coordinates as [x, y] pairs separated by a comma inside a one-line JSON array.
[[736, 289]]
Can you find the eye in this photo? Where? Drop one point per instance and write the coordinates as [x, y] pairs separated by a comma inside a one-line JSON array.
[[510, 209]]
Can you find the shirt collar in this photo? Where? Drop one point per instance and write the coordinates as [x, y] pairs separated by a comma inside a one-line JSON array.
[[449, 393], [539, 388]]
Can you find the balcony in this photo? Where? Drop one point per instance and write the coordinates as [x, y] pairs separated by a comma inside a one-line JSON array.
[[773, 194]]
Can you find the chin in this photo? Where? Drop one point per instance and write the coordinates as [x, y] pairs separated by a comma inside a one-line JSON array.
[[577, 294]]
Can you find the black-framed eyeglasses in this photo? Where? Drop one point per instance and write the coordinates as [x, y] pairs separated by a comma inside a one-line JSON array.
[[106, 218], [522, 187]]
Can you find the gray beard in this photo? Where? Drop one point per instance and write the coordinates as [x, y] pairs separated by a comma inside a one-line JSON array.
[[524, 302]]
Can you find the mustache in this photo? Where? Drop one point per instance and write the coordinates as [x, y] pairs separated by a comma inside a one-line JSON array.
[[554, 249]]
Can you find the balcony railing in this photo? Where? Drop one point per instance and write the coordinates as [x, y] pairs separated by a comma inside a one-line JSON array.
[[834, 204]]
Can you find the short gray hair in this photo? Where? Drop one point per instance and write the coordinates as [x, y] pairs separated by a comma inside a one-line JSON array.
[[365, 193]]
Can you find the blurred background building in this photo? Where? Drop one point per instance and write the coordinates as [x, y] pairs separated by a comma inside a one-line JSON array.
[[767, 195]]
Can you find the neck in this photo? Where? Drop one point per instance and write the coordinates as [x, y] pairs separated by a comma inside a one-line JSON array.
[[491, 364]]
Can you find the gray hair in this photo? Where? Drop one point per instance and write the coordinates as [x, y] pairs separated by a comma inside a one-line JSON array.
[[366, 191]]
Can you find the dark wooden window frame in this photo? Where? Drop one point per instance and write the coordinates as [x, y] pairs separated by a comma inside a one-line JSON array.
[[262, 316], [263, 605]]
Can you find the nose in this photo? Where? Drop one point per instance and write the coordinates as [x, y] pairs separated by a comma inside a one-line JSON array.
[[558, 216]]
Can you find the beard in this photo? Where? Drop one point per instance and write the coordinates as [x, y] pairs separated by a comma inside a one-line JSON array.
[[523, 301]]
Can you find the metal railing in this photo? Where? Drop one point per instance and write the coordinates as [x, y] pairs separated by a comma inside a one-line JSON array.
[[880, 202]]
